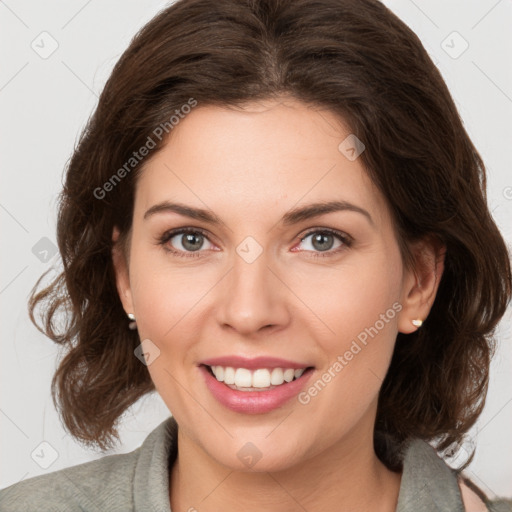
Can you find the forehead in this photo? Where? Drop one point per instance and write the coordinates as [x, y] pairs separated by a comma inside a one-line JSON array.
[[257, 158]]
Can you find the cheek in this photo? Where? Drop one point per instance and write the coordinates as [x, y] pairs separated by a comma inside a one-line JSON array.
[[351, 296], [357, 308], [168, 302], [166, 296]]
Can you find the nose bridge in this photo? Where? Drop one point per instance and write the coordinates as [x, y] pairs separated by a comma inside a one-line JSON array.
[[253, 297]]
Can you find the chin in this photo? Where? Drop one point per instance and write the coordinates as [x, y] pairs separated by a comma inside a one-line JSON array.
[[249, 459], [256, 451]]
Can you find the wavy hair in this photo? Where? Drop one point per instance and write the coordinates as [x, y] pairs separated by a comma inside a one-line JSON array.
[[360, 61]]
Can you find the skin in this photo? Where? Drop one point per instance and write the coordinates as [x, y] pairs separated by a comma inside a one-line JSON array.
[[250, 166]]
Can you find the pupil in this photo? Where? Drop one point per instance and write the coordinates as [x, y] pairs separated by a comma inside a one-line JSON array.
[[189, 244], [319, 241]]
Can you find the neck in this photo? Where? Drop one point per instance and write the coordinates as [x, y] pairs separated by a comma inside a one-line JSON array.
[[346, 477]]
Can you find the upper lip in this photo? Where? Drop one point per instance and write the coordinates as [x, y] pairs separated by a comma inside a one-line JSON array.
[[253, 363]]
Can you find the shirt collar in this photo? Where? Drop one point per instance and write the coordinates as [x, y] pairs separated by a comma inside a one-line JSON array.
[[427, 484]]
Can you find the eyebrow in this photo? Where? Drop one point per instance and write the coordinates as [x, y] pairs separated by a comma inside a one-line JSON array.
[[293, 216]]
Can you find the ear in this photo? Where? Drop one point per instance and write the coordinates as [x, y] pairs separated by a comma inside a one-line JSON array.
[[122, 275], [421, 282]]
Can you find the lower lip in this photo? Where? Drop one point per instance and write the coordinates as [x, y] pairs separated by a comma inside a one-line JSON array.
[[254, 402]]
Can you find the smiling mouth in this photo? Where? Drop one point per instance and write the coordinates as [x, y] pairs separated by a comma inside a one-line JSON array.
[[261, 379]]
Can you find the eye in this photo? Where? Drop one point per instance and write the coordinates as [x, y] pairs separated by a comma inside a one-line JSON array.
[[185, 242], [323, 240], [188, 242]]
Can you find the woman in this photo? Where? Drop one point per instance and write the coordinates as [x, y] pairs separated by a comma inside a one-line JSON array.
[[276, 219]]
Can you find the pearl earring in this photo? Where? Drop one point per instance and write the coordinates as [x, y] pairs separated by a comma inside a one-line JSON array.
[[417, 322], [133, 324]]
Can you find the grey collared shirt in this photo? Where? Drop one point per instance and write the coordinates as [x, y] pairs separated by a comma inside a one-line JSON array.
[[139, 482]]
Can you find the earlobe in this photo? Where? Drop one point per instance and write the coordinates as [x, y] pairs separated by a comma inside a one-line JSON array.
[[121, 271], [421, 283]]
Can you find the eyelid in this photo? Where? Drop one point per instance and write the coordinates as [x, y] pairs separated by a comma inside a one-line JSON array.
[[336, 232]]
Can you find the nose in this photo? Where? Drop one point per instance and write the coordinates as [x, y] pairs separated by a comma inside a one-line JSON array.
[[253, 299]]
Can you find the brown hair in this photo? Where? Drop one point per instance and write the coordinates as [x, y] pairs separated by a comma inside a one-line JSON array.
[[355, 58]]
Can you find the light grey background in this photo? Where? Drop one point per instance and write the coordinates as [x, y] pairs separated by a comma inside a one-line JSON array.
[[46, 100]]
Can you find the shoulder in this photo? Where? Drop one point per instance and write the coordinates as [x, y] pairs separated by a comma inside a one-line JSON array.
[[472, 500], [429, 483], [475, 500], [137, 480], [93, 486]]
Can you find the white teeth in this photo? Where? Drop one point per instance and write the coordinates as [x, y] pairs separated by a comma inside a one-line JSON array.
[[288, 374], [298, 373], [219, 373], [277, 377], [259, 379], [229, 375], [243, 378]]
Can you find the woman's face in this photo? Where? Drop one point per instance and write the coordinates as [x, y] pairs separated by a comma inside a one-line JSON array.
[[265, 287]]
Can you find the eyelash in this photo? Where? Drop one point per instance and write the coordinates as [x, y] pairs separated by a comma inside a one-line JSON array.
[[343, 237]]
